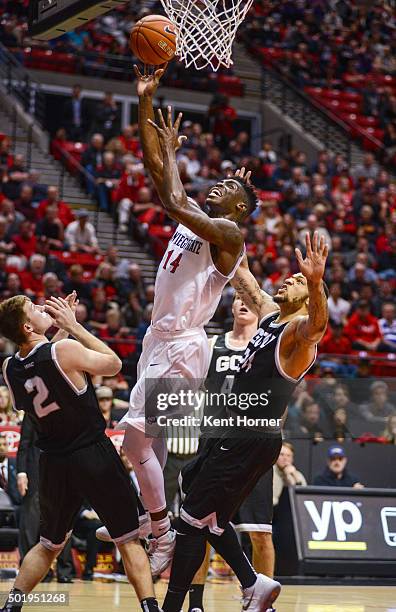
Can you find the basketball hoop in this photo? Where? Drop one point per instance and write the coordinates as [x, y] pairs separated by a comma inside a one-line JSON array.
[[206, 29]]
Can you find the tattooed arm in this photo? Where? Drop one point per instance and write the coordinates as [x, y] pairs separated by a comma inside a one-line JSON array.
[[298, 344], [257, 300]]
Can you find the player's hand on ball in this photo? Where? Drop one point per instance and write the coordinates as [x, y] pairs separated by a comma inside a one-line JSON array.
[[168, 132], [147, 83], [60, 310], [313, 266]]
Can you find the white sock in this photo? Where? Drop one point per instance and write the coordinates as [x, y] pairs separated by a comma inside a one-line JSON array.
[[158, 528]]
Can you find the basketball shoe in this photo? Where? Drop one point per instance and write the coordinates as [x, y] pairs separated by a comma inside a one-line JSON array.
[[160, 551], [260, 596]]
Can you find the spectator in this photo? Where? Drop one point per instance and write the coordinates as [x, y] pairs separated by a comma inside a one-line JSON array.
[[51, 227], [32, 279], [107, 117], [134, 283], [387, 327], [17, 175], [378, 408], [65, 213], [51, 286], [8, 473], [24, 203], [13, 286], [120, 338], [387, 261], [362, 329], [132, 311], [107, 179], [104, 278], [120, 265], [309, 422], [338, 307], [82, 316], [336, 473], [76, 282], [25, 241], [368, 169], [39, 190], [52, 263], [80, 235], [7, 415], [5, 245], [75, 115], [285, 472], [105, 400], [91, 159], [132, 180]]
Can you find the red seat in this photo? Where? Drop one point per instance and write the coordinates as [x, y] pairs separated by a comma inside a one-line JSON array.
[[315, 92], [231, 85], [350, 96]]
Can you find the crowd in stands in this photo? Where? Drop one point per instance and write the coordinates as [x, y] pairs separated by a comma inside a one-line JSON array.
[[100, 48], [342, 53]]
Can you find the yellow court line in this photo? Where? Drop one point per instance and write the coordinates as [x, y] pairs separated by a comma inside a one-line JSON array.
[[313, 545]]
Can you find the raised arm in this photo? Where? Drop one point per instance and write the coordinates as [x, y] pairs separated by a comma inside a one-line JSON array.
[[221, 232], [311, 329], [298, 345], [146, 87], [86, 353], [147, 84], [257, 300]]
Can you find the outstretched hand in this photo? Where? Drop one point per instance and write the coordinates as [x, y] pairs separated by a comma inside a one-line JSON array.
[[313, 266], [243, 175], [62, 313], [72, 300], [148, 82], [168, 133]]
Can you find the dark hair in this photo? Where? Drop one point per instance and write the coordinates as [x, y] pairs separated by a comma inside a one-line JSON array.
[[251, 195], [12, 319]]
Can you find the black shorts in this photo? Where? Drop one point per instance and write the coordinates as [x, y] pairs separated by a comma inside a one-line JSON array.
[[94, 474], [255, 513], [221, 477]]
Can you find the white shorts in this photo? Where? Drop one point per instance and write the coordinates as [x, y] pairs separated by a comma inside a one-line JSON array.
[[179, 354]]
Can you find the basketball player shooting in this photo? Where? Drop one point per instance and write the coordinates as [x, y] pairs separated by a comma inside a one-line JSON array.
[[201, 258], [276, 359], [51, 382]]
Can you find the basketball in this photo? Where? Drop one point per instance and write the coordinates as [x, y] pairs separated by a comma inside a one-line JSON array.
[[153, 40]]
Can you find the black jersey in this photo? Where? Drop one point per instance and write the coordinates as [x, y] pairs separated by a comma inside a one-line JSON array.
[[65, 418], [261, 388], [223, 366]]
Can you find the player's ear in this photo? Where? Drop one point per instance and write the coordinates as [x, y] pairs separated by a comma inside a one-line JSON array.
[[27, 328], [242, 207]]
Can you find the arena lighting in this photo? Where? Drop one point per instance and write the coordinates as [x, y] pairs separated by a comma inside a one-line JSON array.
[[51, 18]]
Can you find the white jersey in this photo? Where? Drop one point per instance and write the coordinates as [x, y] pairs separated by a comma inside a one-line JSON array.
[[188, 286]]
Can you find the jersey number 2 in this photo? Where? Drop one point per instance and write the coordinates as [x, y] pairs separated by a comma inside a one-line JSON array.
[[37, 384], [173, 264]]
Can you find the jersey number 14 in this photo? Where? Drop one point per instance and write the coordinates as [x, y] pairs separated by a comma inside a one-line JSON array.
[[37, 384], [173, 264]]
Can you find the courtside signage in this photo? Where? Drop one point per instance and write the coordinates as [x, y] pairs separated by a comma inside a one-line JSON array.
[[344, 524]]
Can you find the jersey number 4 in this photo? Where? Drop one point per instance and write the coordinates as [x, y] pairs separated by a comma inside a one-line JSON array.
[[173, 264], [37, 384]]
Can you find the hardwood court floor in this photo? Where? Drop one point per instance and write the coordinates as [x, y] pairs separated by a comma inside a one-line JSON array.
[[104, 597]]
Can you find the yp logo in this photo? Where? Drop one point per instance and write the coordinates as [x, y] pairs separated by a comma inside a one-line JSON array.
[[347, 519]]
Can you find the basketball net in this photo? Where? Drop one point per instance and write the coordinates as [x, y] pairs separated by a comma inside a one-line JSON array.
[[206, 29]]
